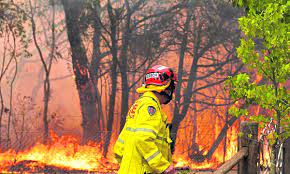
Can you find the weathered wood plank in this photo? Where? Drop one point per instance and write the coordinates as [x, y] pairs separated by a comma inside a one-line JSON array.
[[227, 166], [249, 139], [287, 156]]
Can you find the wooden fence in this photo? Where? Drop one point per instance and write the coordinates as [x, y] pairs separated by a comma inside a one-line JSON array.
[[247, 156], [248, 152]]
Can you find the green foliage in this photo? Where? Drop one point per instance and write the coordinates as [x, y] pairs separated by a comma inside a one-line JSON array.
[[237, 112], [250, 136], [264, 49], [240, 134]]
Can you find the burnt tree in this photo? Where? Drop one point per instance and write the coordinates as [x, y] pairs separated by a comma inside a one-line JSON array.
[[206, 31], [114, 51], [84, 71]]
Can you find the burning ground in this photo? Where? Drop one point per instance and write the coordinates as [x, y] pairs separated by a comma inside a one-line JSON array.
[[62, 154], [66, 154]]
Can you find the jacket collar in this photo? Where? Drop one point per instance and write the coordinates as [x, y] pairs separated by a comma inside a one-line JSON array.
[[152, 95]]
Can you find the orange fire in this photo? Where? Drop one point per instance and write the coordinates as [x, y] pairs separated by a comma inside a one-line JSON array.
[[64, 153], [219, 156]]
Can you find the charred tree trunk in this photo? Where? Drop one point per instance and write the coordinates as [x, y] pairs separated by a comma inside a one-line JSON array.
[[133, 98], [124, 66], [125, 97], [179, 116], [195, 152], [200, 44], [89, 114], [182, 53], [183, 48], [114, 51], [221, 136], [86, 90], [177, 119], [226, 136], [94, 68]]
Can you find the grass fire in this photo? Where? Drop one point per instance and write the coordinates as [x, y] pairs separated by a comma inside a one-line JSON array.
[[61, 154], [67, 154]]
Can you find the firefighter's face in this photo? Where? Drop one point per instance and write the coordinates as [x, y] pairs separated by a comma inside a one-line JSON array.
[[169, 92], [167, 95]]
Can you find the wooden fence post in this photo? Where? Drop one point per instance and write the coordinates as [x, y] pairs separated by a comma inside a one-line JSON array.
[[249, 138], [286, 165]]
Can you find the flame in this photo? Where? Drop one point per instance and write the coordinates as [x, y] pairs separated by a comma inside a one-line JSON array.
[[182, 160], [64, 152]]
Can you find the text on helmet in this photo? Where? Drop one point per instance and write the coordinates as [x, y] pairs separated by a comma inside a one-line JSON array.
[[152, 75]]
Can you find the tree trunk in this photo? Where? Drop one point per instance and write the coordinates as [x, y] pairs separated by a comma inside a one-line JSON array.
[[183, 47], [226, 136], [277, 144], [86, 90], [177, 119], [89, 114], [221, 136], [46, 66], [133, 76], [125, 100], [124, 67], [11, 89], [114, 52], [94, 68], [46, 92], [111, 105]]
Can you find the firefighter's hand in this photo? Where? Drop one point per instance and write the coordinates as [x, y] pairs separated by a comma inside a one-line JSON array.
[[170, 170]]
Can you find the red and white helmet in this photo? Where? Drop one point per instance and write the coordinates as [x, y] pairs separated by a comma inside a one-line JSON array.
[[159, 75]]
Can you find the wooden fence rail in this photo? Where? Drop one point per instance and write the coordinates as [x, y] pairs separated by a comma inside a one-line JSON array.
[[247, 156], [226, 167]]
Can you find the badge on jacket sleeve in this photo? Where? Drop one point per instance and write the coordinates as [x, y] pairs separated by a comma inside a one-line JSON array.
[[151, 110]]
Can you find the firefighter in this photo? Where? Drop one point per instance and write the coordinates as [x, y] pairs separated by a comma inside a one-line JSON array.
[[143, 145]]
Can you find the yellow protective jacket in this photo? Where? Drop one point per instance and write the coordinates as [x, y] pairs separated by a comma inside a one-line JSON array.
[[143, 145]]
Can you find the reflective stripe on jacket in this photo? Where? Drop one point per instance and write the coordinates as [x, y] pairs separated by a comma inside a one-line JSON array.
[[144, 143]]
